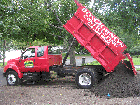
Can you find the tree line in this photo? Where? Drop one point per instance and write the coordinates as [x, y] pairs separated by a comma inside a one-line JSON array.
[[26, 22]]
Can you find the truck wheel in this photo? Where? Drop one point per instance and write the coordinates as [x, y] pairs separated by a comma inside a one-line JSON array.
[[84, 79], [12, 78]]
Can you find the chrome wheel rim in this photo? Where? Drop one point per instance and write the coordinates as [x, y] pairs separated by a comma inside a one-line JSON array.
[[85, 79], [11, 79]]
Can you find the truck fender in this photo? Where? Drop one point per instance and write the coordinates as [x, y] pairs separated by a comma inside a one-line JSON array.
[[14, 68]]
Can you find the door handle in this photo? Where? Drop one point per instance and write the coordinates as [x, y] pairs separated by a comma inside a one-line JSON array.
[[34, 60]]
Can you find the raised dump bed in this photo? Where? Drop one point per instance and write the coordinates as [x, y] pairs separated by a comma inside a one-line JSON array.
[[91, 33]]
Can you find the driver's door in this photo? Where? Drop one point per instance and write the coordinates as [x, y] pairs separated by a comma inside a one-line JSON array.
[[27, 60]]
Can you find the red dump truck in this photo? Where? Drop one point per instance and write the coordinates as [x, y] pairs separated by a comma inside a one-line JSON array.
[[37, 61]]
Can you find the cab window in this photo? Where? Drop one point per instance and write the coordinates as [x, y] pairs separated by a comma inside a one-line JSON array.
[[29, 53], [40, 51], [53, 50]]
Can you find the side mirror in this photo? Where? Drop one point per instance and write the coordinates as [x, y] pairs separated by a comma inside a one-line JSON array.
[[22, 51], [21, 57]]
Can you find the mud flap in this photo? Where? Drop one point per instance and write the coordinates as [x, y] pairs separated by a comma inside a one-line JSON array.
[[130, 65]]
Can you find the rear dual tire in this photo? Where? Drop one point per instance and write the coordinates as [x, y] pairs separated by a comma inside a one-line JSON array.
[[84, 79]]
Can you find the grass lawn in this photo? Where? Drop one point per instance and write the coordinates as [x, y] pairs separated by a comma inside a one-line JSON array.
[[64, 54], [1, 64], [83, 55], [94, 63], [136, 61], [138, 69]]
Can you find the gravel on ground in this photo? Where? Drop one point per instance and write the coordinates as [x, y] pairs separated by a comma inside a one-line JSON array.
[[122, 88]]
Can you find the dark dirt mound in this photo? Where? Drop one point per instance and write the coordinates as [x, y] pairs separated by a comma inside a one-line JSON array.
[[119, 84]]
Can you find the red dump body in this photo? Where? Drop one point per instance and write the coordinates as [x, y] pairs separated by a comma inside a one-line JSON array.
[[91, 33]]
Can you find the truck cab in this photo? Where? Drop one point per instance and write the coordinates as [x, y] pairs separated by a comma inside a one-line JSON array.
[[34, 63]]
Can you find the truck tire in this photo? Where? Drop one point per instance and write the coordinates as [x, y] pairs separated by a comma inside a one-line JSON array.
[[12, 78], [98, 74], [85, 79]]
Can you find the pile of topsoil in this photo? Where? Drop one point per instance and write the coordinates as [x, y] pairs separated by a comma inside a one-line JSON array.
[[119, 84]]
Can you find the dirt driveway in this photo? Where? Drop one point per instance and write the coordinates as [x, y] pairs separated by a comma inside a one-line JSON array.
[[62, 91]]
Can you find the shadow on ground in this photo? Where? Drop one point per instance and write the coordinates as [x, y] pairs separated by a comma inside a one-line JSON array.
[[67, 82]]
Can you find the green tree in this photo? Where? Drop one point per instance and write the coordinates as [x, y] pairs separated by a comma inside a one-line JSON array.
[[64, 10], [121, 17], [7, 26], [30, 20]]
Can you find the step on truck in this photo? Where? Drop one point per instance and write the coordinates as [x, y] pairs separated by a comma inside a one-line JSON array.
[[37, 62]]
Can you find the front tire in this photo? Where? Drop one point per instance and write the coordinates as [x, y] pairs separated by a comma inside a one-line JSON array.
[[84, 79], [12, 78]]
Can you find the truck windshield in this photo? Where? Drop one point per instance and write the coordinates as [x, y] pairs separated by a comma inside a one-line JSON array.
[[30, 52], [54, 50]]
